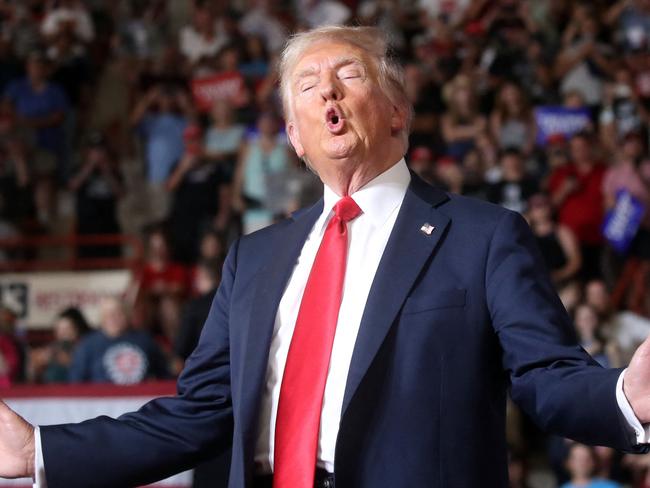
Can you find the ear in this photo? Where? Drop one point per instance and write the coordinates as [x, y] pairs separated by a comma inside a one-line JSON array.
[[398, 119], [294, 138]]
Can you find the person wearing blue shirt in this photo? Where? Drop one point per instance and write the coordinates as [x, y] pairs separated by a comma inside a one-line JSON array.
[[162, 132], [581, 464], [116, 353], [161, 119], [41, 106]]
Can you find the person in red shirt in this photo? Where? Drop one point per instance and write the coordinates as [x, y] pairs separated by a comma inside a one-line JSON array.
[[11, 360], [160, 275], [162, 285], [576, 194]]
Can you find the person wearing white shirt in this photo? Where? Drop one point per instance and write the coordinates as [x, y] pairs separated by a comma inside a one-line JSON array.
[[71, 13], [204, 37]]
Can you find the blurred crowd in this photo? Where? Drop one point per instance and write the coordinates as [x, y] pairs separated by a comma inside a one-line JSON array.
[[162, 119]]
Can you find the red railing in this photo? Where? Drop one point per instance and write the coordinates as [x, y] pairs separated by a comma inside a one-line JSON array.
[[90, 390], [29, 251]]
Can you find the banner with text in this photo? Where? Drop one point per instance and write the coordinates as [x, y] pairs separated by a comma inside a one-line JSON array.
[[622, 222], [564, 121], [223, 86], [38, 297]]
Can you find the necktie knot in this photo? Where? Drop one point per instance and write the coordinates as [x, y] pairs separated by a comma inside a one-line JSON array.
[[347, 209]]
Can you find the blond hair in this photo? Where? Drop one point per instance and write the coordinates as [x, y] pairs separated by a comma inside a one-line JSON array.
[[369, 39]]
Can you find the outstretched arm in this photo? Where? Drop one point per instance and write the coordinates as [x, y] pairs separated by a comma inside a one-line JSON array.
[[17, 450], [552, 378], [636, 384], [165, 436]]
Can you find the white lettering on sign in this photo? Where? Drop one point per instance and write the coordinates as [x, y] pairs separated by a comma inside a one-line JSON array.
[[36, 298]]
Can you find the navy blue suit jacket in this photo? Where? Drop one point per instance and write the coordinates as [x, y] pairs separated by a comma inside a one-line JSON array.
[[454, 321]]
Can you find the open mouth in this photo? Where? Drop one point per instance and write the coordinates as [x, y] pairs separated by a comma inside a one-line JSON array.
[[334, 120]]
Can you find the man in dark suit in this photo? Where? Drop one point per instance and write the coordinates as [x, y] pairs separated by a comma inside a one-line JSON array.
[[368, 341]]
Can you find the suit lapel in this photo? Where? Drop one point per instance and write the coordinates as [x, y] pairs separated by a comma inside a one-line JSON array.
[[406, 254], [271, 280]]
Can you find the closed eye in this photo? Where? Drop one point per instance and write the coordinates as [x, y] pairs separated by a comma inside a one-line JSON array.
[[350, 75], [350, 69], [306, 82]]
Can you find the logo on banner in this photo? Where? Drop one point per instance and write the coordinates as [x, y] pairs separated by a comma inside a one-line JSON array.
[[126, 364], [224, 86], [622, 221], [566, 121], [37, 297], [15, 297]]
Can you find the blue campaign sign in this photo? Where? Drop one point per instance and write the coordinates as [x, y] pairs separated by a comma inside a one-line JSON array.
[[622, 221], [554, 120]]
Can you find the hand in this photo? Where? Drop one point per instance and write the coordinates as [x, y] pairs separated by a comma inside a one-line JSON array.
[[188, 162], [480, 125], [92, 161], [238, 204], [104, 165], [17, 448], [153, 95], [589, 47], [636, 384], [221, 221], [569, 185]]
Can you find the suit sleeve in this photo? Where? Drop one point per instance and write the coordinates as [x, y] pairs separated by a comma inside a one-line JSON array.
[[552, 378], [165, 436]]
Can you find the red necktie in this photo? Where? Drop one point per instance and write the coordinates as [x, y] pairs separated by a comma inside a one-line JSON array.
[[305, 373]]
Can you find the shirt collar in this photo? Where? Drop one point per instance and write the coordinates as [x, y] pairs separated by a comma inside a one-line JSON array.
[[377, 198]]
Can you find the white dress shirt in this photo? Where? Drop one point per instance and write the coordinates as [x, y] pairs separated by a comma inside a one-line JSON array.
[[380, 201]]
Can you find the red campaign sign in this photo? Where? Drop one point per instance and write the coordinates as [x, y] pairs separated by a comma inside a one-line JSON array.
[[224, 86]]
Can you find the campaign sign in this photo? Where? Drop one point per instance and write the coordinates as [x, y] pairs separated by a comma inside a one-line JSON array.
[[37, 297], [552, 120], [622, 221], [223, 86]]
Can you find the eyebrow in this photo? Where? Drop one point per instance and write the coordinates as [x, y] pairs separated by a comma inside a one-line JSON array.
[[338, 63]]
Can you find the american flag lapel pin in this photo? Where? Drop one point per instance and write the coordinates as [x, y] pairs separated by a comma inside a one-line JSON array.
[[427, 228]]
